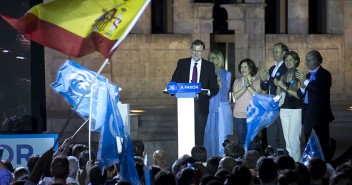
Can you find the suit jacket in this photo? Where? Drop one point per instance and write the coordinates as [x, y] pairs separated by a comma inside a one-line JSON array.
[[207, 80], [269, 85], [319, 110]]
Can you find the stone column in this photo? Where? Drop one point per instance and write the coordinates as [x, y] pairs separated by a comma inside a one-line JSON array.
[[348, 44], [248, 22], [195, 19], [297, 16], [202, 23]]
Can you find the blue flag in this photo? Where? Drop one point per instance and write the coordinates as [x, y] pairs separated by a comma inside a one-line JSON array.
[[73, 81], [112, 131], [128, 169], [261, 112], [312, 150]]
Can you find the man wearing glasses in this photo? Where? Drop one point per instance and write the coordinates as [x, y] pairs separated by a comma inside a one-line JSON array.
[[274, 133], [198, 70], [315, 93]]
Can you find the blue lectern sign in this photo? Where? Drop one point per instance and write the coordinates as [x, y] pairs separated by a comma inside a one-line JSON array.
[[173, 87]]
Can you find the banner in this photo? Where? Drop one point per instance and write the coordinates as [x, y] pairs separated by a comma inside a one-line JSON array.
[[18, 148]]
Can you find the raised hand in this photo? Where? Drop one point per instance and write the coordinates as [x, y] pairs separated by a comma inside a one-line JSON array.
[[264, 74]]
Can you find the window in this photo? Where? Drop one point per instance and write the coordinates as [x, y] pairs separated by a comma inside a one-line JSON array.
[[276, 16], [317, 16], [162, 16]]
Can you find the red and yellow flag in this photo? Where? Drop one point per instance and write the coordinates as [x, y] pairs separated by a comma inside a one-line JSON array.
[[80, 27]]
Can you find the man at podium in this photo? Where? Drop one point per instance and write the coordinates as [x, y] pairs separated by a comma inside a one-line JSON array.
[[195, 69]]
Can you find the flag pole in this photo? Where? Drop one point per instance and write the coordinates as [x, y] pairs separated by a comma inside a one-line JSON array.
[[114, 110], [90, 123]]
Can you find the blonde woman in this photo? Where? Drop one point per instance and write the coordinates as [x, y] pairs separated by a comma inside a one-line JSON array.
[[219, 122]]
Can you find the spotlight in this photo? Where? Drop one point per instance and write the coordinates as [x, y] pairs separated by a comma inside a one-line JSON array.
[[19, 57]]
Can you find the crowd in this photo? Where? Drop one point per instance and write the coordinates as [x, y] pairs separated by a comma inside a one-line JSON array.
[[72, 166]]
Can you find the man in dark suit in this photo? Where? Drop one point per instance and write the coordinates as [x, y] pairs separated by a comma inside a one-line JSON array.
[[315, 93], [205, 75], [274, 133]]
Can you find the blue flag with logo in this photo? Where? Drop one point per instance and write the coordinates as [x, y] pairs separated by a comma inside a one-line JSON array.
[[112, 131], [312, 150], [73, 81], [261, 112]]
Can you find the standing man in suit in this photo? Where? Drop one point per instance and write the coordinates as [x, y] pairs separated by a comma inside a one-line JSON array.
[[315, 93], [275, 136], [205, 75]]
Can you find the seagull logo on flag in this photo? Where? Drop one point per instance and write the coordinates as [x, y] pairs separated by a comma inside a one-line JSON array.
[[79, 83]]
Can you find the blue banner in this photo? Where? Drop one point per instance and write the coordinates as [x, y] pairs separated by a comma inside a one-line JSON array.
[[261, 112], [112, 131], [173, 87]]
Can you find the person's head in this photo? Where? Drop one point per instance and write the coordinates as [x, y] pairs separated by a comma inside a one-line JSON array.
[[234, 150], [164, 178], [317, 168], [244, 172], [159, 158], [176, 166], [96, 177], [186, 176], [279, 51], [313, 59], [197, 49], [288, 177], [7, 163], [291, 59], [285, 162], [222, 174], [19, 172], [60, 167], [217, 58], [227, 163], [247, 67], [77, 149], [339, 179], [303, 173], [267, 169], [199, 153], [31, 162], [138, 148], [250, 159], [212, 165]]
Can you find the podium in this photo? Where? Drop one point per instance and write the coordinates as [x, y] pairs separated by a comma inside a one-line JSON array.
[[185, 94]]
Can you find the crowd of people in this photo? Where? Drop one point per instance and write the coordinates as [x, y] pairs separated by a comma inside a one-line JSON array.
[[71, 165]]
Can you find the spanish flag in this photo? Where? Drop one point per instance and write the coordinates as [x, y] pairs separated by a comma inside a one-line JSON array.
[[80, 27]]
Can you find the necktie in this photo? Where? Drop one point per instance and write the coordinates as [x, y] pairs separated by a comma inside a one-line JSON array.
[[195, 73], [311, 77]]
